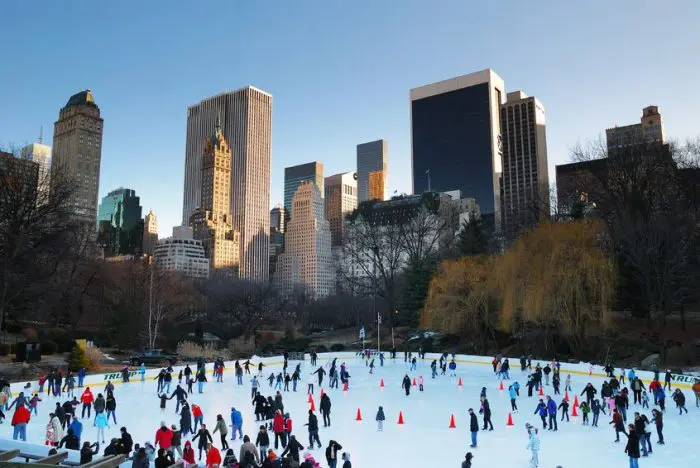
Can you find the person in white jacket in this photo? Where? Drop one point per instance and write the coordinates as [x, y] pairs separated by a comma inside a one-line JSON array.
[[533, 445], [57, 429]]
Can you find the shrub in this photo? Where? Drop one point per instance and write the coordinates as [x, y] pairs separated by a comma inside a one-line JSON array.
[[4, 349], [321, 349], [61, 337], [48, 347], [189, 349], [241, 345], [78, 359], [94, 356], [29, 334], [337, 347]]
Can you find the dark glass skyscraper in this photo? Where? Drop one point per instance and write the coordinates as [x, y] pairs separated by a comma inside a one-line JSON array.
[[119, 223], [456, 138]]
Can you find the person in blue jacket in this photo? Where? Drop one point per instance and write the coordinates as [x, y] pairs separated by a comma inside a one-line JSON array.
[[552, 411], [81, 377], [541, 411], [236, 424], [661, 398], [513, 395], [142, 372], [516, 387], [453, 368]]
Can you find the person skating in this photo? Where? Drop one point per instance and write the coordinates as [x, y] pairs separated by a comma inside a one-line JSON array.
[[222, 430], [101, 423], [293, 448], [533, 444], [564, 407], [70, 441], [346, 460], [164, 437], [380, 418], [204, 439], [406, 385], [473, 427], [618, 424], [567, 383], [513, 395], [186, 420], [640, 429], [313, 430], [77, 427], [541, 411], [552, 412], [632, 447], [332, 453], [658, 419], [279, 430], [180, 396], [679, 398], [310, 384], [661, 398], [547, 370], [645, 399], [453, 368], [467, 463], [320, 372], [590, 391], [213, 456], [696, 391], [236, 423], [555, 383], [262, 441], [486, 412], [585, 409], [325, 408], [198, 416], [88, 451], [248, 452], [126, 441], [99, 404], [667, 380], [164, 459], [201, 380], [111, 407], [163, 402]]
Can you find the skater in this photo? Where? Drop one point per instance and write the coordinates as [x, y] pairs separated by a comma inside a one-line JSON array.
[[596, 409], [679, 398], [321, 372], [310, 383], [433, 368], [555, 383], [486, 411], [111, 406], [406, 384], [204, 439], [201, 380], [661, 398], [198, 416], [637, 387], [473, 427], [380, 418], [564, 407], [164, 437], [325, 408], [222, 430], [590, 392], [618, 424], [186, 420], [467, 463], [567, 383], [513, 395], [332, 453], [163, 402], [640, 424], [293, 448], [541, 411], [86, 399], [278, 429], [547, 370], [645, 399], [236, 423], [180, 396], [101, 423], [667, 379], [413, 364], [632, 448], [585, 409], [420, 383], [658, 419], [533, 444], [453, 368], [371, 367], [313, 430], [552, 412], [254, 387]]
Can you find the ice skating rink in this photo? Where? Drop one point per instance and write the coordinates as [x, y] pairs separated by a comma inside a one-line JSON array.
[[425, 439]]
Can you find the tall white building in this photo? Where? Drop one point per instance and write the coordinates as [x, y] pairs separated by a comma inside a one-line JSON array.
[[150, 232], [182, 253], [339, 201], [372, 167], [40, 154], [246, 117], [307, 261]]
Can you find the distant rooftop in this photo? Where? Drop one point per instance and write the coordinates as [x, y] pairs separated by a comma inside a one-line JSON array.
[[83, 98]]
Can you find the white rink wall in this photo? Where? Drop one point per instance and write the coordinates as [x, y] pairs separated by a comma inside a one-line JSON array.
[[582, 368]]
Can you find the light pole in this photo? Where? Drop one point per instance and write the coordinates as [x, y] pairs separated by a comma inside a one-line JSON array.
[[379, 325]]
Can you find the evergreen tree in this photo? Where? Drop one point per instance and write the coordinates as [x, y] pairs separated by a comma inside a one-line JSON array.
[[78, 359], [415, 290], [473, 238]]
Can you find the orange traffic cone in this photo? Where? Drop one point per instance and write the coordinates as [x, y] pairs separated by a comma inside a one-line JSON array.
[[459, 384], [311, 398], [345, 387], [381, 383], [322, 392], [500, 387], [452, 422], [566, 396], [400, 418], [541, 391], [414, 382], [359, 415], [313, 406], [574, 413], [576, 400], [510, 420]]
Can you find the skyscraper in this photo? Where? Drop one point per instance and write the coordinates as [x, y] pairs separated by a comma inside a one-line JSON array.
[[211, 222], [306, 260], [456, 139], [650, 129], [246, 116], [278, 218], [77, 151], [340, 200], [119, 224], [295, 175], [40, 154], [525, 176], [372, 157], [150, 232]]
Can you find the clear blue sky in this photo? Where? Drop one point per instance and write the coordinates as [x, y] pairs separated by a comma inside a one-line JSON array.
[[339, 72]]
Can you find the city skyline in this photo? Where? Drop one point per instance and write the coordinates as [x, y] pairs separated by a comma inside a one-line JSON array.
[[145, 114]]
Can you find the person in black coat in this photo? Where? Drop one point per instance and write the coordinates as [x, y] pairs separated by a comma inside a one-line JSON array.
[[406, 384], [332, 453], [473, 426], [325, 408], [186, 420], [632, 448], [204, 439], [70, 441], [87, 452], [126, 441], [313, 430], [165, 459], [293, 448]]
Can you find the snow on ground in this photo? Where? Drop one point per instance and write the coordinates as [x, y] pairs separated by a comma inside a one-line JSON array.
[[425, 439]]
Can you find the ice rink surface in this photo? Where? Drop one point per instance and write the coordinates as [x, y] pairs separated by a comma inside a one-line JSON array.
[[425, 439]]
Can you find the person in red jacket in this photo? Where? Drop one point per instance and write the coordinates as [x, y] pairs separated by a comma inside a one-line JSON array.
[[188, 453], [20, 418], [288, 425], [279, 429], [86, 399], [213, 456], [198, 416], [164, 437]]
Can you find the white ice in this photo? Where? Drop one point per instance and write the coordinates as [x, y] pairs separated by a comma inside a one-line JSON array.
[[425, 439]]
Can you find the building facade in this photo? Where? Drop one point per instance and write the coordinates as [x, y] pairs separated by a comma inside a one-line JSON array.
[[456, 139], [17, 175], [307, 259], [212, 222], [246, 117], [372, 158], [525, 182], [182, 253], [77, 151], [40, 154], [150, 232], [119, 223], [295, 175], [339, 201], [650, 129], [278, 218]]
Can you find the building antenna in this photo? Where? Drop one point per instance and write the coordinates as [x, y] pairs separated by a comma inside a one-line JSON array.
[[41, 134]]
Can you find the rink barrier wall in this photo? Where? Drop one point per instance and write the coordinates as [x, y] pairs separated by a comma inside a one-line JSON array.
[[683, 381]]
